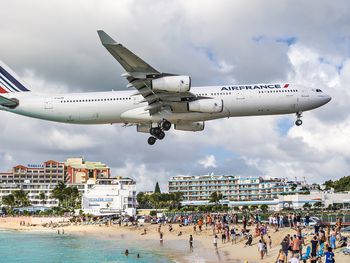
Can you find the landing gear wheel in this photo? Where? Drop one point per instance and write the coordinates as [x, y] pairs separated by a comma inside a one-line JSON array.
[[155, 131], [151, 140], [298, 122], [161, 135], [166, 125]]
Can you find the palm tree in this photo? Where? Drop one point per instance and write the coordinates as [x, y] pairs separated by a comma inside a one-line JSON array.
[[155, 199], [9, 200], [59, 192], [175, 199], [215, 197], [72, 193], [42, 197], [21, 198]]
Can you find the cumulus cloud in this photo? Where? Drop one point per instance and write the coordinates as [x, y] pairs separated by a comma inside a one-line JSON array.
[[208, 161], [55, 48]]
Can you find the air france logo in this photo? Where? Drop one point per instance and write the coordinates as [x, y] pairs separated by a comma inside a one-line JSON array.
[[254, 87]]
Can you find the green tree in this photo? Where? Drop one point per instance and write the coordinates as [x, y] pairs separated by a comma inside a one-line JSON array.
[[318, 205], [155, 200], [9, 200], [264, 207], [175, 200], [42, 197], [253, 207], [328, 184], [21, 198], [306, 206], [215, 197], [157, 188], [342, 185], [59, 193], [143, 200]]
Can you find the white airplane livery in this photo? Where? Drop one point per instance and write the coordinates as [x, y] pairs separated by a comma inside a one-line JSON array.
[[158, 101]]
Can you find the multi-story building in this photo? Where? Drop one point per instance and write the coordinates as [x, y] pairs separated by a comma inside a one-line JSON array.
[[233, 188], [80, 171], [110, 196], [50, 172], [36, 178]]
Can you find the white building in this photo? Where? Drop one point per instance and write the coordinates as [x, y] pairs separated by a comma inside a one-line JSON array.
[[110, 196], [233, 188], [327, 198]]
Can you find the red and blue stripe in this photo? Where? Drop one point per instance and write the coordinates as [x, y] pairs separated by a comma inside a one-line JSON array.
[[8, 83]]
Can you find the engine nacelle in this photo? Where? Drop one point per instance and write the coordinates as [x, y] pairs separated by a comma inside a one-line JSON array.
[[206, 105], [190, 126], [172, 84]]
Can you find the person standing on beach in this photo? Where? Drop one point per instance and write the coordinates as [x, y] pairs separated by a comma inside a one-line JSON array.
[[285, 245], [233, 235], [215, 242], [261, 249], [244, 221], [161, 238], [281, 258], [329, 256], [191, 243]]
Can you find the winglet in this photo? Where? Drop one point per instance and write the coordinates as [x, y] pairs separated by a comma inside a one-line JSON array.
[[105, 38]]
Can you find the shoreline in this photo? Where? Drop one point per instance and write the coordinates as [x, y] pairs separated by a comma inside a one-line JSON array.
[[175, 247]]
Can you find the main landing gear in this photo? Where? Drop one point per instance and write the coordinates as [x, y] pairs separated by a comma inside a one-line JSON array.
[[158, 132], [299, 122]]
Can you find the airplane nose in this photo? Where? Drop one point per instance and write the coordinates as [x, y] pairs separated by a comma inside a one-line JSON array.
[[327, 99], [324, 99]]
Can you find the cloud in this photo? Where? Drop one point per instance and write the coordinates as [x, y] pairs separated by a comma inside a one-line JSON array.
[[208, 161]]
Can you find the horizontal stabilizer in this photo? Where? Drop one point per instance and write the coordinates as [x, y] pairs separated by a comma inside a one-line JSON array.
[[10, 103]]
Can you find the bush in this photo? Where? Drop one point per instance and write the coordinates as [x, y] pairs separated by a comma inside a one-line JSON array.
[[153, 213]]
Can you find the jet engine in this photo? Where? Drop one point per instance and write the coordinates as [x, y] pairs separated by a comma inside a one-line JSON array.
[[190, 126], [206, 105], [172, 84]]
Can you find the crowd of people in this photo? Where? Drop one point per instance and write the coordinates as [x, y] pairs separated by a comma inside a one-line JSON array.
[[295, 247]]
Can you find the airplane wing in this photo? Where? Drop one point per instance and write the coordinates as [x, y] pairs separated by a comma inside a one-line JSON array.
[[142, 76], [8, 102]]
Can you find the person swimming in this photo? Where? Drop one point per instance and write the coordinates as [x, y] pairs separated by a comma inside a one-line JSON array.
[[126, 252]]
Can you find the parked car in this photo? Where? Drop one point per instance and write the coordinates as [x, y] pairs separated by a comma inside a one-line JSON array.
[[313, 220]]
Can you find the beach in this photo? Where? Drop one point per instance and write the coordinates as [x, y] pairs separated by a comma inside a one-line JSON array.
[[174, 245]]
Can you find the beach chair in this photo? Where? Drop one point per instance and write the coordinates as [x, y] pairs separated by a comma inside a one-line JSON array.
[[321, 250], [307, 253]]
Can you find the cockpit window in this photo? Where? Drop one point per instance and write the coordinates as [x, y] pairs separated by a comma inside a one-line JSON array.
[[318, 90]]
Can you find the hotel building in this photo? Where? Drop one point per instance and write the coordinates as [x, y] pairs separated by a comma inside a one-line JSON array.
[[233, 188], [110, 196], [80, 171], [36, 178]]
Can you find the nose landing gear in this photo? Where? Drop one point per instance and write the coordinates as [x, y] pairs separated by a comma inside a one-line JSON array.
[[299, 122], [158, 132]]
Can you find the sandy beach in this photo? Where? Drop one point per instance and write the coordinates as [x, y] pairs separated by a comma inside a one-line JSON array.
[[177, 247]]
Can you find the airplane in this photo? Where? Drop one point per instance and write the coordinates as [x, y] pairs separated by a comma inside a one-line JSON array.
[[158, 101]]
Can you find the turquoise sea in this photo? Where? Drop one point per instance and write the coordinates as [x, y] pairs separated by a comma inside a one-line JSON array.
[[16, 246]]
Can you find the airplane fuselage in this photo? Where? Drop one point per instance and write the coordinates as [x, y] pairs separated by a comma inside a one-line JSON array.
[[124, 107]]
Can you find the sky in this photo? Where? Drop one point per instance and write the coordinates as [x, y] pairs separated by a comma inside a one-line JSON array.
[[53, 46]]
